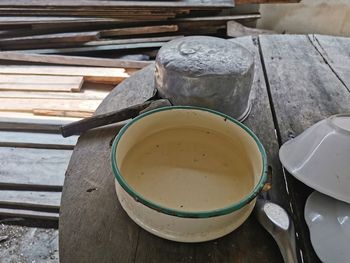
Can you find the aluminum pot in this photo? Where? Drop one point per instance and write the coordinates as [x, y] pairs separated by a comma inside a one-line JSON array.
[[208, 72], [188, 174]]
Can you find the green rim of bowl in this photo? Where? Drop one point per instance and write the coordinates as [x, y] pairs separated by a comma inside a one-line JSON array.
[[187, 214]]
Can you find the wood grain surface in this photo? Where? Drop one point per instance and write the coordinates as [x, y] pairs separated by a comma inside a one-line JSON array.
[[31, 199], [33, 168], [304, 90]]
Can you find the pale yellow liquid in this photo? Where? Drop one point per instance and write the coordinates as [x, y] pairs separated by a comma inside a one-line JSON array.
[[189, 169]]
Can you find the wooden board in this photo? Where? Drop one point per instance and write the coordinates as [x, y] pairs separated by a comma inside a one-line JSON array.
[[200, 4], [121, 240], [93, 48], [242, 2], [91, 74], [28, 214], [304, 90], [32, 123], [40, 83], [31, 199], [33, 168], [217, 18], [36, 140], [71, 60], [83, 95], [336, 53], [130, 41], [28, 105], [138, 30], [30, 41], [63, 113]]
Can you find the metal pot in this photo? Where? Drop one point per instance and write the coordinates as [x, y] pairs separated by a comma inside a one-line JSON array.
[[206, 72], [180, 172]]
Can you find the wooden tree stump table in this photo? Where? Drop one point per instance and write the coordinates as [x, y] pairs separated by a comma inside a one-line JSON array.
[[299, 80]]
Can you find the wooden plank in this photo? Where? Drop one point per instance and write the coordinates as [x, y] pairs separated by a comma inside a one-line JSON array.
[[217, 18], [28, 105], [71, 60], [303, 90], [23, 20], [82, 95], [138, 30], [31, 199], [198, 4], [32, 123], [336, 52], [93, 48], [28, 214], [235, 29], [40, 83], [33, 168], [63, 113], [76, 38], [36, 140], [242, 2], [91, 74], [131, 41]]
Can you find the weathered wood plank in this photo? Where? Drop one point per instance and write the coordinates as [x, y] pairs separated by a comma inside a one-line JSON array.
[[91, 74], [131, 4], [76, 37], [71, 60], [63, 113], [83, 95], [36, 140], [303, 90], [138, 30], [26, 167], [242, 2], [93, 48], [217, 18], [235, 29], [40, 83], [28, 105], [28, 214], [131, 41], [31, 199], [33, 123], [336, 52]]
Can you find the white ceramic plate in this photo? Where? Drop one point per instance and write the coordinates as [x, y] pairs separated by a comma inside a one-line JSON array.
[[329, 223], [320, 157]]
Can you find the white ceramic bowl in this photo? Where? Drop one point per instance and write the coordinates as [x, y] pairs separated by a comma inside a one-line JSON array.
[[320, 157], [188, 174], [329, 223]]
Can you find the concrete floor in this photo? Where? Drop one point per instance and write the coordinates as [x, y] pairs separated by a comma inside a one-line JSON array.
[[22, 244]]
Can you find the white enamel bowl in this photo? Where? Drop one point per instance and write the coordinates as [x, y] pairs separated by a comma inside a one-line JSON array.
[[187, 174], [320, 157], [329, 223]]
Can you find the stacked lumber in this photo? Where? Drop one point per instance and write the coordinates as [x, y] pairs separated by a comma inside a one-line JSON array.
[[97, 26], [73, 91], [33, 161], [62, 58]]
